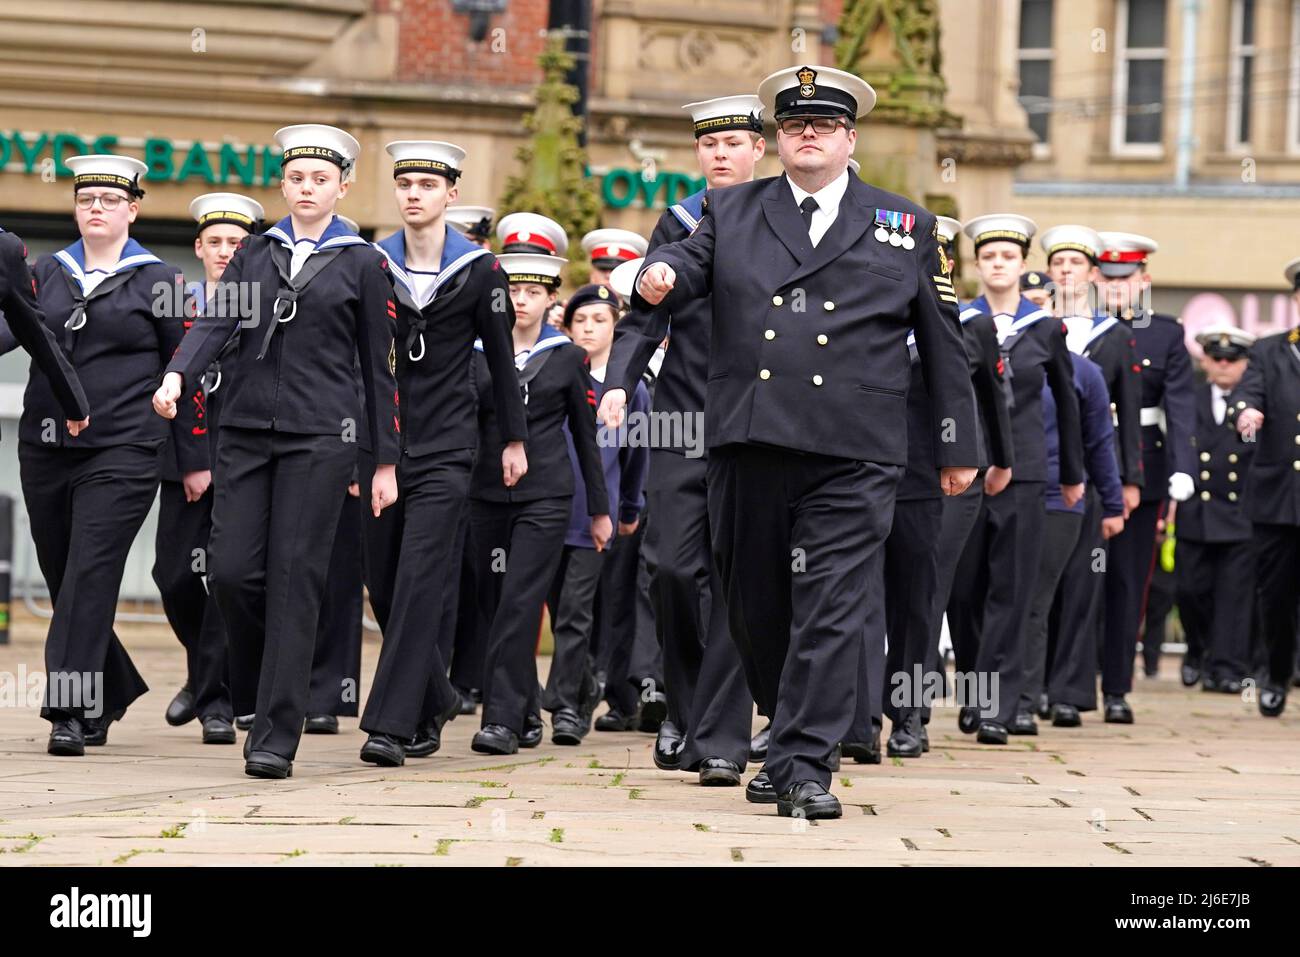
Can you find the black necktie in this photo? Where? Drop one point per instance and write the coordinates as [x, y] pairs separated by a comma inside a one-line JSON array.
[[806, 210]]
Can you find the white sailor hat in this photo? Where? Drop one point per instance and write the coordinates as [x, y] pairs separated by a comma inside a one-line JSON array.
[[533, 267], [948, 228], [727, 113], [317, 141], [1001, 227], [473, 221], [1292, 273], [426, 156], [1078, 238], [815, 91], [105, 169], [1222, 341], [623, 278], [1123, 254], [213, 208], [349, 223], [610, 247], [531, 233]]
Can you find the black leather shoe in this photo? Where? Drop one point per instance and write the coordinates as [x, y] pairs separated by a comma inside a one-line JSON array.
[[567, 727], [217, 730], [248, 746], [653, 714], [810, 800], [264, 764], [1190, 672], [383, 750], [244, 721], [1024, 723], [1117, 710], [467, 703], [425, 742], [759, 790], [96, 729], [67, 739], [1272, 701], [495, 739], [719, 773], [991, 732], [925, 738], [862, 752], [1210, 683], [1230, 686], [905, 737], [1044, 706], [320, 724], [758, 744], [1065, 716], [968, 720], [668, 747], [181, 710], [615, 721], [534, 731]]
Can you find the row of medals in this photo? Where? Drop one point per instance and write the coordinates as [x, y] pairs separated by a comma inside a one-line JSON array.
[[884, 235]]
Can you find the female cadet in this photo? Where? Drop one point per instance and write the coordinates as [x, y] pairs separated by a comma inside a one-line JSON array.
[[519, 531], [449, 290], [108, 299], [185, 502], [314, 298]]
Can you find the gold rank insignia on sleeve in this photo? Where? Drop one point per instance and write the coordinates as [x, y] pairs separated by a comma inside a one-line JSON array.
[[945, 264], [392, 357], [943, 286]]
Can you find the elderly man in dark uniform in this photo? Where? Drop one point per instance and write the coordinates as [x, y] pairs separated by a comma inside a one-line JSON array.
[[1266, 407], [814, 291]]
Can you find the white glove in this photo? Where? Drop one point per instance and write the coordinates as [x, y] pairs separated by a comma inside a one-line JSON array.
[[1181, 486]]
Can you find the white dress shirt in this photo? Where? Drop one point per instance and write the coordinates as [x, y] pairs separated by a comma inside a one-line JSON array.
[[1077, 331], [828, 204], [1218, 403]]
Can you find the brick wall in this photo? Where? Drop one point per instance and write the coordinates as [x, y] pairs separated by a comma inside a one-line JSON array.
[[434, 44]]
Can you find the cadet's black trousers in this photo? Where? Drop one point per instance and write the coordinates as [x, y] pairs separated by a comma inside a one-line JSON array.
[[518, 546], [624, 622], [959, 515], [1216, 592], [180, 571], [911, 573], [571, 683], [1277, 558], [1132, 555], [993, 589], [1060, 532], [274, 521], [464, 637], [1073, 622], [86, 506], [413, 558], [793, 538], [336, 665]]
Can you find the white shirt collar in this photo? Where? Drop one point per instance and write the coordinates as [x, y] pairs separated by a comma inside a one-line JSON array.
[[599, 374], [828, 197]]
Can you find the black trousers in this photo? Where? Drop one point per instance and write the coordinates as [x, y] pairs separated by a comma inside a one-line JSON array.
[[911, 574], [991, 594], [1060, 532], [336, 665], [869, 708], [413, 559], [1132, 555], [959, 515], [1277, 557], [1216, 590], [1073, 623], [180, 571], [464, 634], [622, 618], [518, 547], [571, 683], [1159, 603], [86, 506], [793, 538], [274, 520]]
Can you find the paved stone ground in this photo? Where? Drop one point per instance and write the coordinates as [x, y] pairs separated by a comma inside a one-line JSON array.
[[1199, 780]]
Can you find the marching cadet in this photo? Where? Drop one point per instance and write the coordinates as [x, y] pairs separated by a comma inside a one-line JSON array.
[[701, 664], [572, 691], [1072, 257], [108, 300], [1214, 558], [449, 291], [316, 302], [185, 500], [610, 248], [1167, 416], [518, 529], [472, 222], [912, 551], [1266, 407], [806, 409], [993, 583], [1035, 287]]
